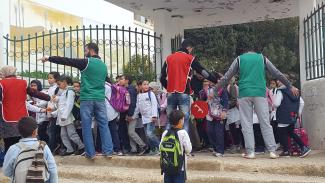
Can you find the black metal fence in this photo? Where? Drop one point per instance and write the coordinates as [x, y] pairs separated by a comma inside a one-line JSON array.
[[124, 50], [314, 36], [176, 43]]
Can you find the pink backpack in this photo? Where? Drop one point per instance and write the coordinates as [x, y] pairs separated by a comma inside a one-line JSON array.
[[120, 98]]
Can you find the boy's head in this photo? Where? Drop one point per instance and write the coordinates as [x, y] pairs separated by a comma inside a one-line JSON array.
[[154, 86], [188, 45], [76, 86], [27, 127], [91, 49], [139, 86], [273, 83], [64, 81], [176, 118], [124, 80]]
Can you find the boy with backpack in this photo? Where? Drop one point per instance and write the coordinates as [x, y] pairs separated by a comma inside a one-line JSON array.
[[65, 118], [21, 169], [175, 144], [288, 110], [147, 107], [218, 106]]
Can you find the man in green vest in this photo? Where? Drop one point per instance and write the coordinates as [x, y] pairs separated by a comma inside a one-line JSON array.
[[251, 67], [92, 97]]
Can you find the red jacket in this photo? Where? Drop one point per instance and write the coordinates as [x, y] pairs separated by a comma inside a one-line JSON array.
[[178, 70], [14, 97]]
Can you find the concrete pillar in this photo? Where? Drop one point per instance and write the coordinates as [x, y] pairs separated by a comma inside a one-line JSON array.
[[177, 27], [162, 23], [312, 91]]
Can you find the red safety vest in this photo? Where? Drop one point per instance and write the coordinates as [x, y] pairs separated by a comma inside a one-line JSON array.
[[14, 97], [178, 70]]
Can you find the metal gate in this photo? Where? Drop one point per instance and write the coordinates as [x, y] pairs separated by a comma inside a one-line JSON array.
[[124, 50]]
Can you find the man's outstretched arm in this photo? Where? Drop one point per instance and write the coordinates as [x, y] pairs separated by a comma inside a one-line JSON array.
[[80, 64]]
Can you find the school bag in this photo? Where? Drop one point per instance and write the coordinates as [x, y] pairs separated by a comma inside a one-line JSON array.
[[302, 133], [215, 107], [171, 157], [120, 98], [31, 166]]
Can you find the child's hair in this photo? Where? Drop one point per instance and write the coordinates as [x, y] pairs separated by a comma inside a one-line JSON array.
[[56, 75], [139, 83], [65, 78], [76, 82], [26, 126], [175, 116], [38, 83], [108, 80], [127, 77]]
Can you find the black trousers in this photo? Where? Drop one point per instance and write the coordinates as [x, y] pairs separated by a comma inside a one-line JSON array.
[[284, 133], [42, 131], [259, 141], [54, 132], [235, 133], [123, 133]]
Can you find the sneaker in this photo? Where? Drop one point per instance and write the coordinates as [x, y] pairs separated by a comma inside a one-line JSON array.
[[143, 150], [273, 155], [154, 152], [80, 151], [109, 156], [66, 153], [90, 158], [285, 154], [249, 156], [120, 153], [259, 150], [219, 155], [305, 151]]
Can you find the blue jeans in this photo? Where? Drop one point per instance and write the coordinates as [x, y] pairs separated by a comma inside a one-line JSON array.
[[216, 135], [98, 109], [182, 101], [152, 138], [115, 138], [179, 178]]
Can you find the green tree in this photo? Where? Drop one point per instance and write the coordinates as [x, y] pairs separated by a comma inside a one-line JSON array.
[[140, 68]]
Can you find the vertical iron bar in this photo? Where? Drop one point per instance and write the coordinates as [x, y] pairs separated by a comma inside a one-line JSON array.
[[43, 50], [71, 49], [22, 54], [136, 43], [323, 39], [36, 53], [161, 48], [149, 63], [104, 45], [320, 29], [142, 59], [110, 51], [316, 28], [130, 48], [97, 35], [77, 28], [90, 32], [29, 57], [57, 48], [309, 54], [116, 41], [15, 51], [84, 38], [155, 52], [123, 51], [63, 47], [7, 48], [50, 34], [312, 44]]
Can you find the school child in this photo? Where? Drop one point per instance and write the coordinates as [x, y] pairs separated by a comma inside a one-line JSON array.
[[218, 106], [53, 129], [18, 170], [40, 117], [174, 146], [147, 107], [76, 108], [65, 118], [289, 109]]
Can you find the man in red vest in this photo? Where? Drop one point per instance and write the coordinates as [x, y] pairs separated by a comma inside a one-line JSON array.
[[176, 77]]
